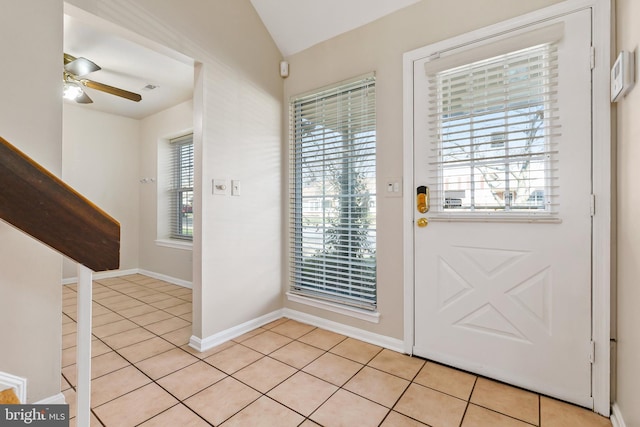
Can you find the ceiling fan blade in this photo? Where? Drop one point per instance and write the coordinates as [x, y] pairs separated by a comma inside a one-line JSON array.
[[84, 99], [79, 66], [112, 90]]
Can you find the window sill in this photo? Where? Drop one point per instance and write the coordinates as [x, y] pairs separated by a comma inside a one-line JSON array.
[[495, 218], [369, 316], [175, 244]]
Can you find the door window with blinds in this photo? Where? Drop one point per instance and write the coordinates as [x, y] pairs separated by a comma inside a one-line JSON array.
[[181, 192], [492, 128], [333, 194]]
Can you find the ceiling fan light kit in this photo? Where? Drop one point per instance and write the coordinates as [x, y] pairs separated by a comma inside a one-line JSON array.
[[74, 71], [72, 90]]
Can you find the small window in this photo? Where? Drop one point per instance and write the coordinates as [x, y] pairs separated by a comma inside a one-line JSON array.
[[181, 191], [493, 134], [333, 193]]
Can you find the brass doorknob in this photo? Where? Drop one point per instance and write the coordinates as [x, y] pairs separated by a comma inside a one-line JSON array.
[[422, 222]]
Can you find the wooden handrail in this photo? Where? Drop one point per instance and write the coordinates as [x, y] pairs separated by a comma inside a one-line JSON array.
[[37, 202]]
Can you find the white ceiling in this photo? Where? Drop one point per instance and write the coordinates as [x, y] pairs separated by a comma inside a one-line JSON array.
[[132, 62], [126, 64], [296, 25]]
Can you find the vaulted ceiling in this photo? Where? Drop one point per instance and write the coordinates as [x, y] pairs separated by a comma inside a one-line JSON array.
[[296, 25]]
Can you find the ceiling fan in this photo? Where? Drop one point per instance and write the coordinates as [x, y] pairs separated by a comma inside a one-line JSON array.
[[74, 71]]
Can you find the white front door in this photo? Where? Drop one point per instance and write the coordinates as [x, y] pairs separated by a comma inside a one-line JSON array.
[[503, 268]]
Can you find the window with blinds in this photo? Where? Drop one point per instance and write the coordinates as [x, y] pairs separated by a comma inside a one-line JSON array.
[[181, 197], [333, 194], [492, 130]]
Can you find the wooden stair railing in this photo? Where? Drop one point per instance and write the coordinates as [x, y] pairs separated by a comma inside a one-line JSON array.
[[37, 202], [41, 205]]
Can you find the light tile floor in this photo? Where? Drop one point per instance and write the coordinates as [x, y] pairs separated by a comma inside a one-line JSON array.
[[282, 374]]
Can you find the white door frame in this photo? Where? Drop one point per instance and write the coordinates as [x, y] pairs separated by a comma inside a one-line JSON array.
[[601, 176]]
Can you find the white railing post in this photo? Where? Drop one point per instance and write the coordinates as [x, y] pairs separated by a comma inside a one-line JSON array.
[[83, 354]]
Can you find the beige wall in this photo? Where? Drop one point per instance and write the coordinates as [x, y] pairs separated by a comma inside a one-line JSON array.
[[379, 47], [628, 236], [155, 131], [104, 157], [100, 159], [238, 111], [31, 119]]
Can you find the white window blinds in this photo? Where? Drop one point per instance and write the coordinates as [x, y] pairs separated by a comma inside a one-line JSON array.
[[493, 129], [181, 192], [332, 194]]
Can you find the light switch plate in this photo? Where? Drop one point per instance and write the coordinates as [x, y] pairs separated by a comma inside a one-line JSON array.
[[393, 187], [235, 187]]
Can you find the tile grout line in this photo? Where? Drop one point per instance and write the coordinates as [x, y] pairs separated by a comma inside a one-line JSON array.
[[298, 370], [263, 355], [389, 409], [133, 365], [411, 381], [155, 381]]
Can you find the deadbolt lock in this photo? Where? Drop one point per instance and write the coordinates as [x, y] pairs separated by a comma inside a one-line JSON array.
[[422, 199], [422, 222]]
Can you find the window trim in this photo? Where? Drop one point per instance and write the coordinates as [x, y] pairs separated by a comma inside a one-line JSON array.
[[186, 245], [345, 310], [304, 293], [545, 59], [175, 191]]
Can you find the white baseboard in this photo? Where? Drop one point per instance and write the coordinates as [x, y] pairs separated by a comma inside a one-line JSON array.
[[18, 384], [203, 344], [209, 342], [350, 331], [173, 280], [231, 333], [102, 275], [616, 416], [57, 399], [119, 273]]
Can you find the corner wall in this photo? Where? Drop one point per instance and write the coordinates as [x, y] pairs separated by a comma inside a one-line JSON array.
[[628, 235], [238, 135], [31, 119], [100, 160], [175, 121]]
